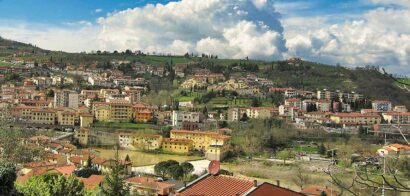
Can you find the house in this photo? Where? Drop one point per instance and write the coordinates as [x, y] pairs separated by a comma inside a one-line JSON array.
[[266, 189], [178, 117], [149, 186], [318, 191], [217, 184], [92, 182], [394, 149]]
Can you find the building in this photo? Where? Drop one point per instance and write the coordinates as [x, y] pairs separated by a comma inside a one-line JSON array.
[[147, 141], [235, 114], [113, 112], [266, 189], [213, 144], [149, 186], [381, 105], [178, 117], [43, 116], [66, 98], [86, 120], [319, 190], [218, 184], [400, 108], [397, 117], [143, 116], [83, 135], [177, 145], [394, 149], [355, 118], [325, 94]]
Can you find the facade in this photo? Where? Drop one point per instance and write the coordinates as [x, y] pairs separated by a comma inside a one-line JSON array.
[[397, 117], [43, 116], [66, 98], [86, 120], [178, 117], [355, 118], [177, 145], [381, 105], [213, 144]]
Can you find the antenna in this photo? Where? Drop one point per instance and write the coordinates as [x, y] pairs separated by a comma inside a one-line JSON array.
[[214, 167]]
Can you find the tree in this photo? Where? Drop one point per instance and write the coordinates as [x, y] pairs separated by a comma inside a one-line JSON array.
[[322, 149], [162, 168], [127, 158], [7, 177], [50, 184], [300, 177], [175, 171], [187, 169], [285, 155], [87, 172], [114, 183]]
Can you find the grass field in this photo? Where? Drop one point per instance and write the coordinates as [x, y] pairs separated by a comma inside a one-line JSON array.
[[142, 158]]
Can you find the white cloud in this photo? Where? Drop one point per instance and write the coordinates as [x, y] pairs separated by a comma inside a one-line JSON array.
[[381, 38], [98, 10], [236, 29]]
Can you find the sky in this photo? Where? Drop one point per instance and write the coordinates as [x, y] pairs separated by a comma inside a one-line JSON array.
[[346, 32]]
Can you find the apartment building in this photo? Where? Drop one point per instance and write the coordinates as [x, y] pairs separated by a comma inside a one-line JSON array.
[[177, 145], [66, 98], [355, 118]]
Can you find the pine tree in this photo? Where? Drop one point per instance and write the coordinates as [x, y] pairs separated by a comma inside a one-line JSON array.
[[114, 184]]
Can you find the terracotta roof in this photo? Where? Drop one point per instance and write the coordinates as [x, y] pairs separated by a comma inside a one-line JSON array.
[[149, 182], [181, 141], [75, 159], [66, 170], [217, 185], [270, 189], [40, 137], [92, 182], [317, 190], [354, 115], [213, 134], [400, 146]]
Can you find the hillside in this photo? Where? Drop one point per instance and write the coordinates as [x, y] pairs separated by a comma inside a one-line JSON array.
[[293, 73]]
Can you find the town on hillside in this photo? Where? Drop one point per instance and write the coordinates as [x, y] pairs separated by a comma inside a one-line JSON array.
[[197, 127]]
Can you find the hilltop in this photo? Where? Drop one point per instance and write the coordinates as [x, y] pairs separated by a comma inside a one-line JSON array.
[[295, 73]]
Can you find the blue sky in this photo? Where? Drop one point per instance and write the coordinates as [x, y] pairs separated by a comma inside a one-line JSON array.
[[57, 12], [347, 32]]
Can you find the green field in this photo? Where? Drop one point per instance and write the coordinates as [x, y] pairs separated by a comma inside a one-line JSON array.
[[139, 158]]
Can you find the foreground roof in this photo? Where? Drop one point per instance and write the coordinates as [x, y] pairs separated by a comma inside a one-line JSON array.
[[217, 185]]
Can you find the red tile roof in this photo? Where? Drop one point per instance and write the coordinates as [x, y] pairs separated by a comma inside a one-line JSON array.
[[217, 185], [270, 189], [66, 170], [92, 182], [317, 190]]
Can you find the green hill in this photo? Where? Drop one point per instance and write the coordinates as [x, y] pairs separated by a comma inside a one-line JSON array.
[[294, 73]]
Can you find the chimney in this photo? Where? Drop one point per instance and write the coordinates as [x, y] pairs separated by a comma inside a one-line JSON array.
[[255, 183], [278, 183]]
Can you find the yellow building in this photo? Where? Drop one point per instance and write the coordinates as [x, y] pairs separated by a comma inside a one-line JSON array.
[[143, 116], [355, 118], [86, 120], [43, 116], [102, 112], [113, 112], [66, 118], [201, 139], [147, 141], [121, 112], [83, 136], [176, 145]]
